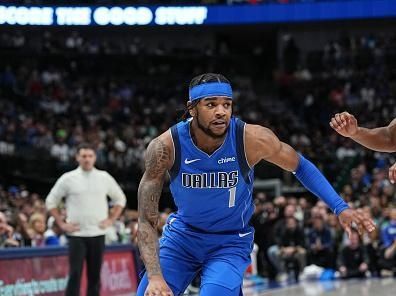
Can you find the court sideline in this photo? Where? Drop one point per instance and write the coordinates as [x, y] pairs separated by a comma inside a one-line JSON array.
[[377, 287]]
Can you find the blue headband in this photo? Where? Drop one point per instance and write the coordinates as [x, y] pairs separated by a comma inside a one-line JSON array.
[[210, 89]]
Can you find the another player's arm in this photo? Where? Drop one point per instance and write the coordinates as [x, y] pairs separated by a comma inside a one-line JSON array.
[[262, 144], [379, 139], [158, 160]]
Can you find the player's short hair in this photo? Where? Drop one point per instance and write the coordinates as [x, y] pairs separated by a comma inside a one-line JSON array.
[[208, 77], [85, 145], [201, 79]]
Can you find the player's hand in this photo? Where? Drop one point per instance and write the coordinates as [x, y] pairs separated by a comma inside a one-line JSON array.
[[357, 217], [392, 174], [157, 287], [70, 227], [106, 223], [345, 124]]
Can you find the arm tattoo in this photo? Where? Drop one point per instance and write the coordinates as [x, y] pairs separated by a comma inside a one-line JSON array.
[[149, 193]]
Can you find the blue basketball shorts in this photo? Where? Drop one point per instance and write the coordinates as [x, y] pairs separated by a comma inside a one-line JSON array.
[[220, 259]]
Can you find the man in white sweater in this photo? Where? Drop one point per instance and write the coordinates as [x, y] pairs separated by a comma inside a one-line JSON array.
[[85, 190]]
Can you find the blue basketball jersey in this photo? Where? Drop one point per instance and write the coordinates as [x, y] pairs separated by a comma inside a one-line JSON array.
[[213, 193]]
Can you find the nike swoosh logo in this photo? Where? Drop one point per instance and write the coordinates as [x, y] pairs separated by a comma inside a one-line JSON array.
[[244, 234], [186, 161]]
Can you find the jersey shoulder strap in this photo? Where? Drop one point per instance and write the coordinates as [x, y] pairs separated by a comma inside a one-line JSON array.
[[174, 171], [240, 146]]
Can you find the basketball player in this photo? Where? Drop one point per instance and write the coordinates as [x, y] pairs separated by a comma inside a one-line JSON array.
[[381, 139], [210, 160]]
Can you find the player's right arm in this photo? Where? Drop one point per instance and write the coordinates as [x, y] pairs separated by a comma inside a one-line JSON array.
[[158, 159], [379, 139]]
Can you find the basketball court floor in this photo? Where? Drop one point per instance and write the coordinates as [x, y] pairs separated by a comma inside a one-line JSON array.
[[374, 287]]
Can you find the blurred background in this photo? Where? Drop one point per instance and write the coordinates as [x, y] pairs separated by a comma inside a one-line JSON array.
[[116, 74]]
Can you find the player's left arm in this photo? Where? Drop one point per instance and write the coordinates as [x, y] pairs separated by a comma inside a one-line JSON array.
[[262, 144]]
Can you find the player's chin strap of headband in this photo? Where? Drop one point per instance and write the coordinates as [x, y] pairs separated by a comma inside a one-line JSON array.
[[210, 89]]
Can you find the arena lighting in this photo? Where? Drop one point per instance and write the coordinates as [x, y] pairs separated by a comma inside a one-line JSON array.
[[73, 16], [21, 15], [196, 15], [180, 15], [122, 16], [102, 16]]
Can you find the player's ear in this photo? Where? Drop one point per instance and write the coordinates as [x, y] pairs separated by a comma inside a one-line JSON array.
[[190, 109]]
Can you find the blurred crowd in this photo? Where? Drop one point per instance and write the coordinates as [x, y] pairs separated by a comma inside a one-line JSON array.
[[294, 235], [25, 222], [121, 93], [93, 95], [299, 236]]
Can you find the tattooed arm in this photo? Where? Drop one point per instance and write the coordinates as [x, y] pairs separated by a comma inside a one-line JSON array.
[[158, 159]]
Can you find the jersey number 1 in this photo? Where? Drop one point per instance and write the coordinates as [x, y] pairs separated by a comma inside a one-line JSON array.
[[231, 201]]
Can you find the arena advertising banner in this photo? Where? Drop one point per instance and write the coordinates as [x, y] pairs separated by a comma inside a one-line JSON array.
[[195, 15], [47, 275]]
